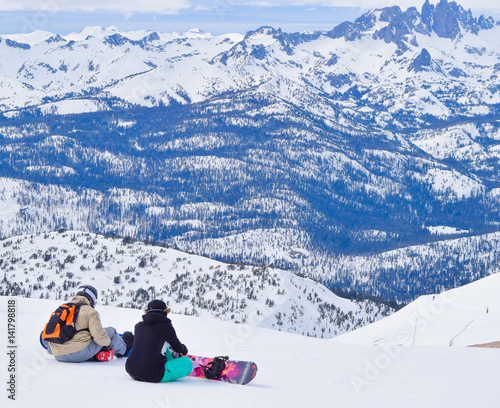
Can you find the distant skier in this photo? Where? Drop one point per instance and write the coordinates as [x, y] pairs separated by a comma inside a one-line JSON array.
[[150, 359], [91, 341]]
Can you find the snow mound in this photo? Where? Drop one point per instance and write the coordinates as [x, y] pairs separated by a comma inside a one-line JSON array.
[[464, 316]]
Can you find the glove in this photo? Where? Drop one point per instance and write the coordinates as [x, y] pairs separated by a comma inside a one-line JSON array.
[[105, 355], [177, 354], [184, 350]]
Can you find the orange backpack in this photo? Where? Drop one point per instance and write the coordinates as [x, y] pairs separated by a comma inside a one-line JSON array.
[[61, 325]]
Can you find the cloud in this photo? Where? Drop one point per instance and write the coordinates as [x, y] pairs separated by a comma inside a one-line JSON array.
[[363, 4], [119, 6], [130, 7]]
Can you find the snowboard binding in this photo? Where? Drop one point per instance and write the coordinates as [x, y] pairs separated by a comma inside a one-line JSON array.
[[214, 369]]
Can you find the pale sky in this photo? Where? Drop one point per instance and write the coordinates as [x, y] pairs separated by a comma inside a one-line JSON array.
[[215, 16]]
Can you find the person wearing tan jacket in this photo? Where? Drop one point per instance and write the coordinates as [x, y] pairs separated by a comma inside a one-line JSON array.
[[92, 341]]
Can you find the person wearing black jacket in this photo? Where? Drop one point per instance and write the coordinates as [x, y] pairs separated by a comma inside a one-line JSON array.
[[150, 358]]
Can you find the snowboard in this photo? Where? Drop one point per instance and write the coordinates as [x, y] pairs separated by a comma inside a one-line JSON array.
[[44, 344], [236, 372]]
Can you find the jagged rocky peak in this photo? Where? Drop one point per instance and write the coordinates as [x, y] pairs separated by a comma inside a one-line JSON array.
[[422, 62], [154, 36], [449, 19], [116, 40], [264, 30], [254, 46], [399, 23], [446, 19], [286, 40], [55, 38]]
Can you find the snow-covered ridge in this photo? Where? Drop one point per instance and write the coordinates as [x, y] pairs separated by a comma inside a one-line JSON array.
[[40, 36], [129, 274], [465, 316]]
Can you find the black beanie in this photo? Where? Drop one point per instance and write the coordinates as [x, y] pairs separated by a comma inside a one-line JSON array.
[[156, 306]]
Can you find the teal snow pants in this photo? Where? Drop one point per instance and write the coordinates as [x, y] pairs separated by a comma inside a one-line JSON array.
[[176, 368]]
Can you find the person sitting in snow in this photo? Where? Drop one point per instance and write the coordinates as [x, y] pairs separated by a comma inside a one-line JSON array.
[[92, 341], [150, 359]]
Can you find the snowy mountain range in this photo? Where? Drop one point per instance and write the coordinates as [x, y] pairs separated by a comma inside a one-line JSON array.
[[387, 65], [270, 148], [398, 62]]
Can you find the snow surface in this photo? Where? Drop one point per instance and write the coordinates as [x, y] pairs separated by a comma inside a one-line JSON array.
[[444, 230], [294, 371], [465, 316]]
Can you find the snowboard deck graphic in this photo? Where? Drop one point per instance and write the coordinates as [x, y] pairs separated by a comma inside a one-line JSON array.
[[236, 372]]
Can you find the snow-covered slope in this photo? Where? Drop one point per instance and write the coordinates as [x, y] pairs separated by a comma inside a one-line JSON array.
[[294, 371], [129, 274], [465, 316]]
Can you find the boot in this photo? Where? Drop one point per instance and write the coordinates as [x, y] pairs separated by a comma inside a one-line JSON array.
[[128, 338]]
